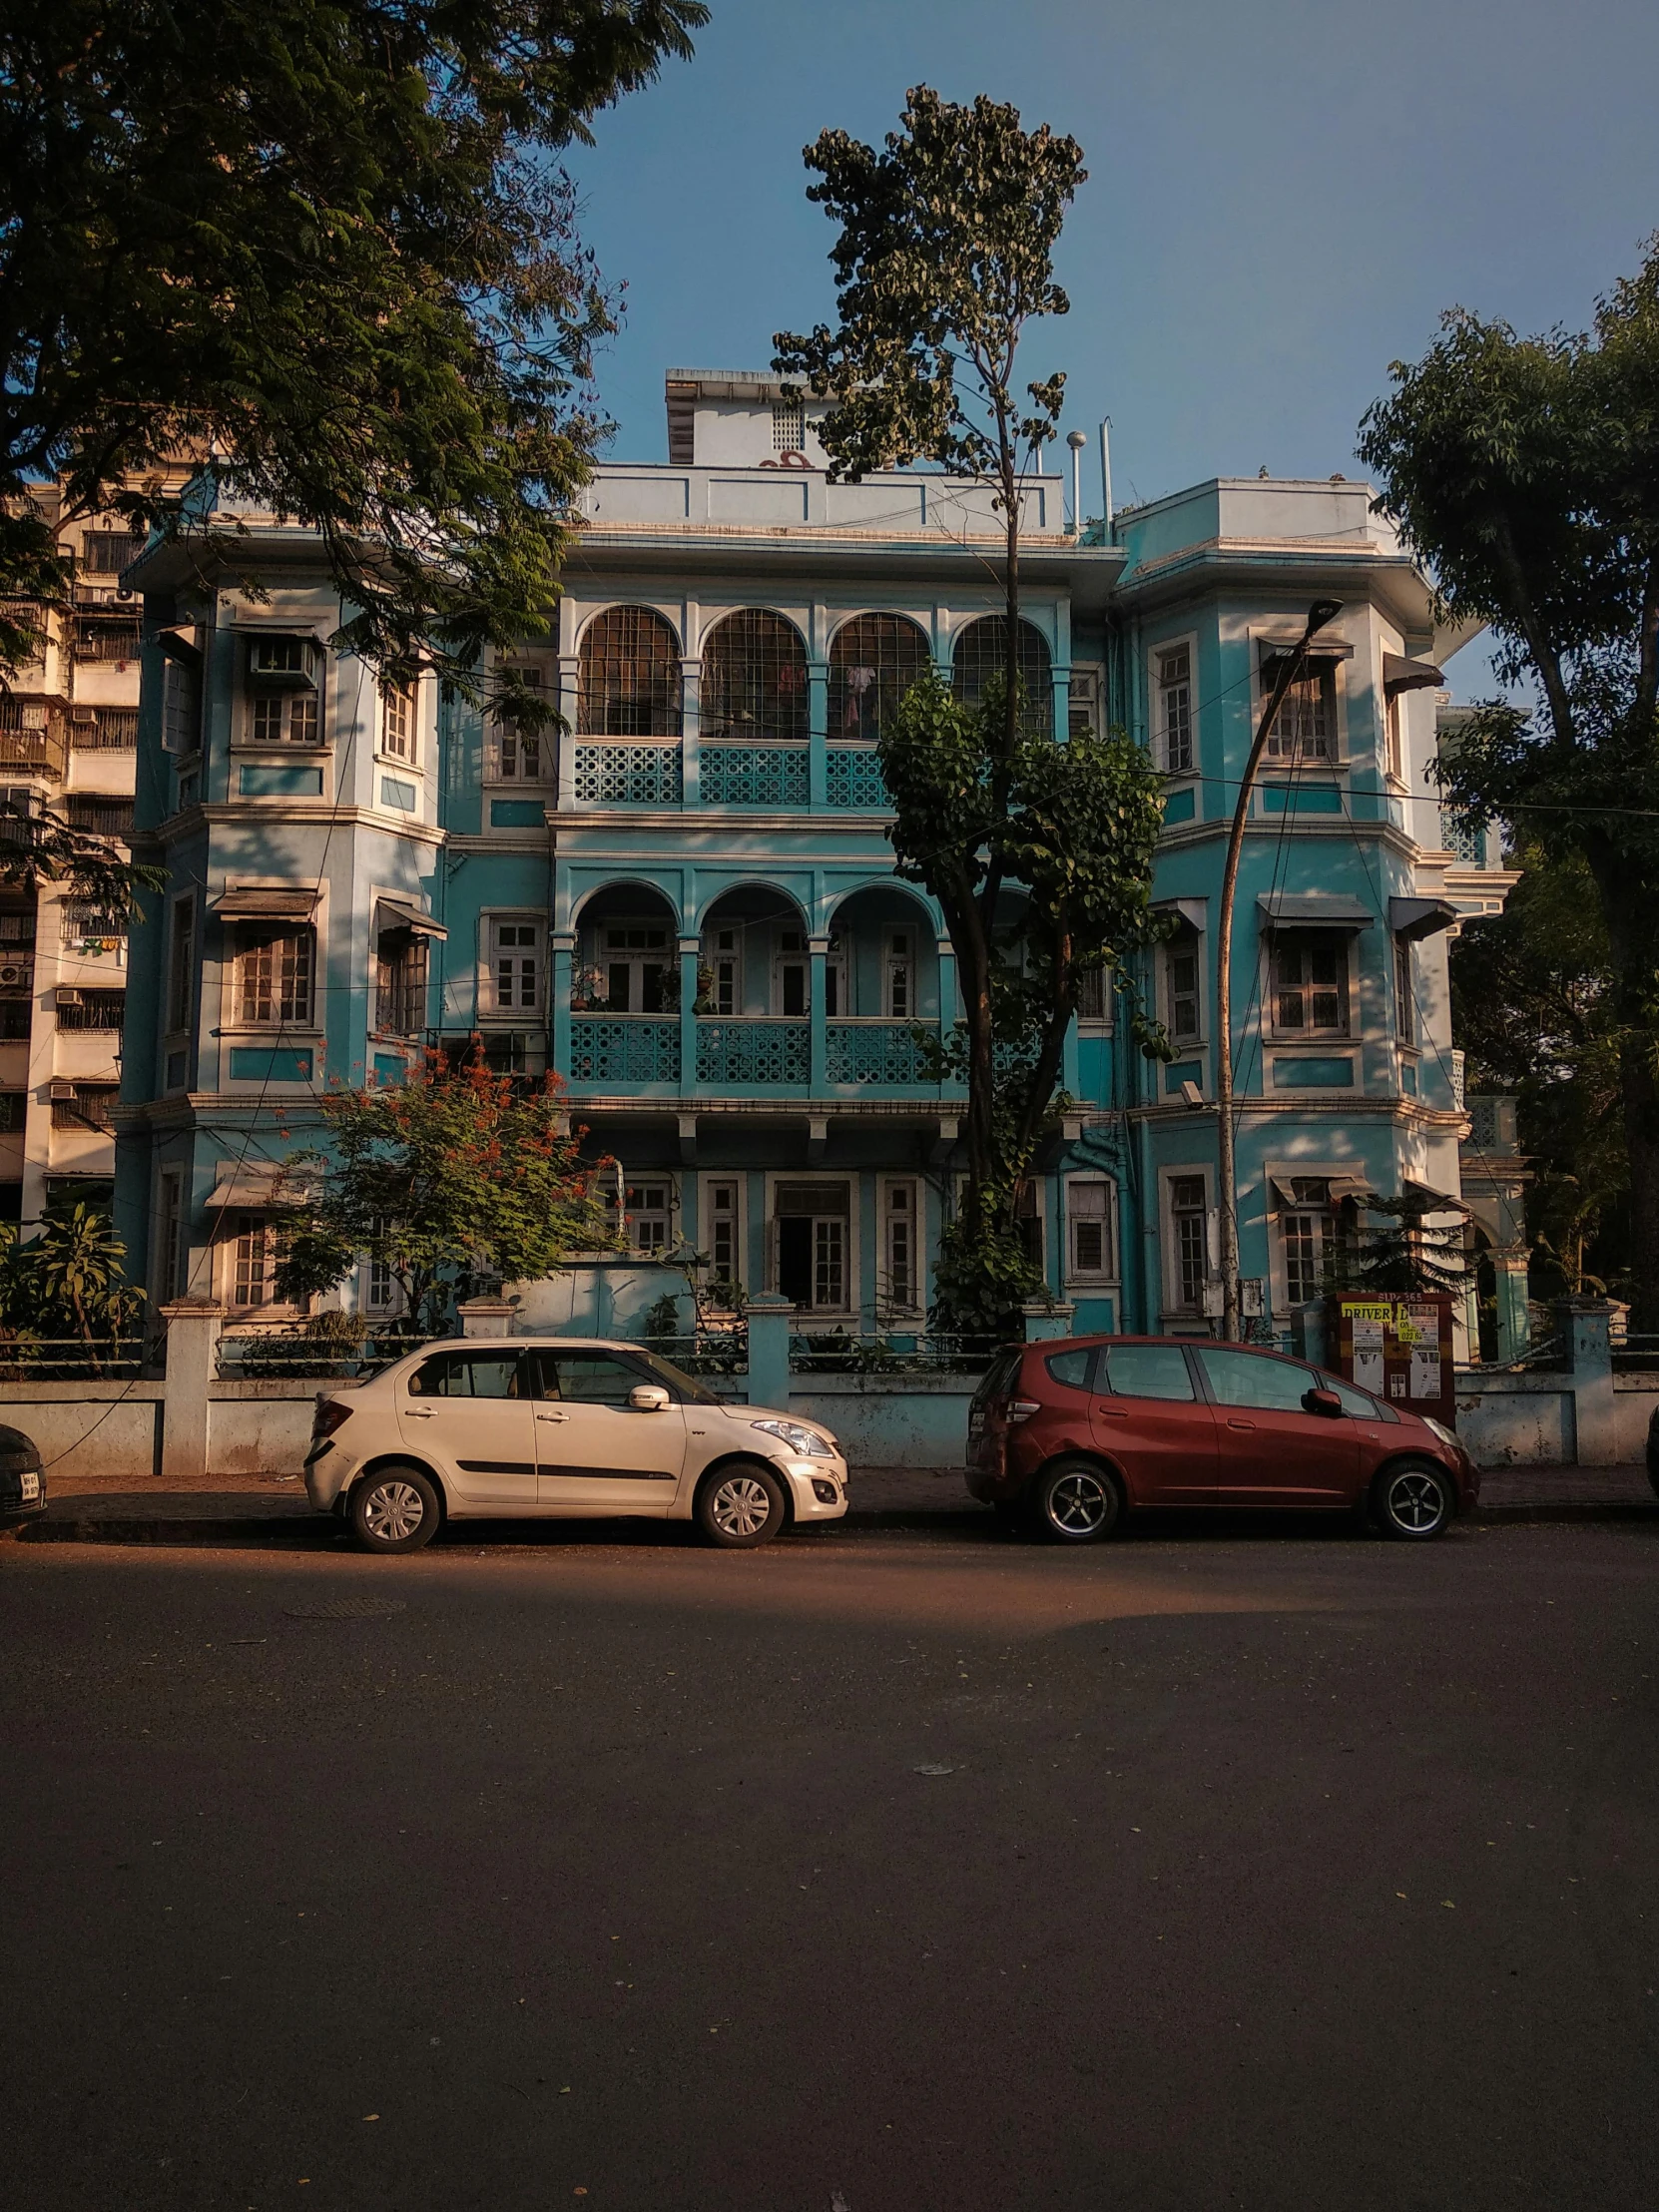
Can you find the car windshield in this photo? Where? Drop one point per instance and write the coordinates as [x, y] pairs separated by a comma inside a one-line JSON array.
[[672, 1378]]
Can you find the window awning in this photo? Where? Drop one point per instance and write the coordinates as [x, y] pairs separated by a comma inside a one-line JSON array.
[[1414, 918], [1439, 1202], [1312, 910], [253, 1187], [392, 916], [1194, 911], [259, 903], [1337, 1187], [1403, 675], [177, 647]]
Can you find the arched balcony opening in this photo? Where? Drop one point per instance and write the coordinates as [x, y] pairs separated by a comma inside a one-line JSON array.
[[753, 996], [625, 991], [628, 710], [753, 712], [874, 661], [882, 985], [981, 652]]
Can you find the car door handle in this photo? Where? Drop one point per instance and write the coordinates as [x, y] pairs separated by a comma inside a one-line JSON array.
[[552, 1417], [418, 1412], [1233, 1421], [1113, 1413]]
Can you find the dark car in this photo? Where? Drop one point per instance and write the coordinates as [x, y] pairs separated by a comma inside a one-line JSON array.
[[1070, 1435], [22, 1484], [1653, 1450]]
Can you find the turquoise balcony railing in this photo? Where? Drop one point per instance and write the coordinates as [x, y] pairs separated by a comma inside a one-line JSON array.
[[628, 775], [753, 775], [753, 1054], [876, 1052], [852, 777], [614, 1049]]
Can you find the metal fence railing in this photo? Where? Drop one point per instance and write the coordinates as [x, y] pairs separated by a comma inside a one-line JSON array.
[[26, 1358], [707, 1353], [294, 1354], [875, 1352], [1548, 1356], [1635, 1355]]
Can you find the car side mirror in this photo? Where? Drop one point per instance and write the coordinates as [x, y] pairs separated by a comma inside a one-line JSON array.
[[648, 1398], [1323, 1402]]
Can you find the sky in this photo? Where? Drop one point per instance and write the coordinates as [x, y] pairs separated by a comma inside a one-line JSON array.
[[1282, 199]]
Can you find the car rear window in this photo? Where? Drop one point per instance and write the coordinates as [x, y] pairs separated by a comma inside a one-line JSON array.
[[1253, 1379], [999, 1376], [468, 1375], [1147, 1371], [1072, 1368]]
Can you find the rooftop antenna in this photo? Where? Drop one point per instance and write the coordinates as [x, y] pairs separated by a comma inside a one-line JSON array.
[[1106, 472], [1076, 440]]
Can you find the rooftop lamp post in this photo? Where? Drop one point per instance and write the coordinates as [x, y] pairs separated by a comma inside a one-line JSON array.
[[1318, 614]]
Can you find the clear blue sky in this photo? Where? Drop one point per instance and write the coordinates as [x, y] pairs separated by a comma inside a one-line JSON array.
[[1281, 198]]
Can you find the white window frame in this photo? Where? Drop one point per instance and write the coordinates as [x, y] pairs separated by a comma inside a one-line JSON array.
[[851, 1275], [1107, 1271], [1083, 697], [1159, 693], [636, 959], [1096, 1024], [230, 1241], [504, 755], [1168, 1177], [182, 982], [898, 967], [838, 979], [1352, 1027], [272, 693], [496, 952], [784, 957], [400, 724], [170, 1276], [248, 937], [1033, 1205], [1186, 936], [1290, 1171], [649, 1227], [724, 961], [1268, 642], [707, 1184], [911, 1218]]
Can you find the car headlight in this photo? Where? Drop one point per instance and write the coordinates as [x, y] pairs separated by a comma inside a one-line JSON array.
[[1445, 1434], [806, 1444]]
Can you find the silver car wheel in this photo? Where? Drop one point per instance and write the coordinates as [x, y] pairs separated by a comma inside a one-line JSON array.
[[1416, 1502], [1078, 1503], [741, 1507], [393, 1511]]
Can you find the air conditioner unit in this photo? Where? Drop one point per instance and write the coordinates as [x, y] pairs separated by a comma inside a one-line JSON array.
[[66, 995], [82, 713], [14, 975], [124, 591], [60, 1090]]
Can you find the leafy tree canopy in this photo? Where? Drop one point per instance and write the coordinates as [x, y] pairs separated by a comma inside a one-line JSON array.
[[453, 1179], [1525, 472], [326, 245]]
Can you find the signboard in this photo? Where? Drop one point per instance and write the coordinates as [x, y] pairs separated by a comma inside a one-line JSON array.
[[1398, 1348]]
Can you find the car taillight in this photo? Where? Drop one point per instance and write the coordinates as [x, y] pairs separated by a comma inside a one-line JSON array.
[[1021, 1409], [328, 1416]]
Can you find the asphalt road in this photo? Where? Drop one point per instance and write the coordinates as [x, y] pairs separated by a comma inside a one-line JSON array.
[[870, 1873]]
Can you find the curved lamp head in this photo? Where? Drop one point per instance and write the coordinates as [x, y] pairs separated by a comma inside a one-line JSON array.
[[1321, 612]]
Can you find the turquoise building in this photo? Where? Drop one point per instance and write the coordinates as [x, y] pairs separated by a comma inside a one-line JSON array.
[[684, 902]]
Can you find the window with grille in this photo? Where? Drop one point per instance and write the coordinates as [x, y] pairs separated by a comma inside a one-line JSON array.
[[982, 653], [16, 928], [78, 922], [1175, 709], [253, 1271], [14, 1019], [899, 1240], [1089, 1225], [181, 969], [629, 676], [1309, 982], [101, 1010], [170, 1223], [521, 754], [398, 721], [1305, 1229], [874, 661], [275, 975], [92, 1107], [105, 818], [110, 730], [14, 1108], [1189, 1234], [400, 974], [108, 552], [789, 425], [1405, 1023], [92, 638], [1185, 1000], [754, 680], [515, 967], [1305, 728], [1094, 1001]]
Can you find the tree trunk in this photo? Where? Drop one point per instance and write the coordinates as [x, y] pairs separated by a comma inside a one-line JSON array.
[[1640, 1089]]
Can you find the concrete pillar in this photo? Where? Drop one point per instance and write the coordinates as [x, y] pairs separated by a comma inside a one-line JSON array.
[[1043, 1322], [192, 1332], [690, 733], [1584, 1323], [570, 667], [562, 945], [486, 1316], [817, 723], [818, 1048], [769, 1351], [690, 950]]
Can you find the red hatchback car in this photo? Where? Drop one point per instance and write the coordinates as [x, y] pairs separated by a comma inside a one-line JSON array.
[[1072, 1435]]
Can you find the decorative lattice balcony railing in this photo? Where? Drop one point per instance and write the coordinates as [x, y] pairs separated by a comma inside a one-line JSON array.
[[853, 779], [753, 775], [1468, 844], [736, 1054], [874, 1052], [628, 775], [614, 1049]]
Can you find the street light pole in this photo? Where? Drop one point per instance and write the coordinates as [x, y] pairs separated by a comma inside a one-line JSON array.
[[1318, 614]]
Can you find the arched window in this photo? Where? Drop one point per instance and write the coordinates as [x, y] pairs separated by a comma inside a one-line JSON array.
[[754, 677], [982, 651], [874, 661], [630, 676]]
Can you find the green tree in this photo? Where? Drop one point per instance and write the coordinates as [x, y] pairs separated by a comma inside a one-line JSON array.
[[456, 1177], [1532, 1005], [324, 247], [1400, 1251], [1525, 472], [1046, 861]]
